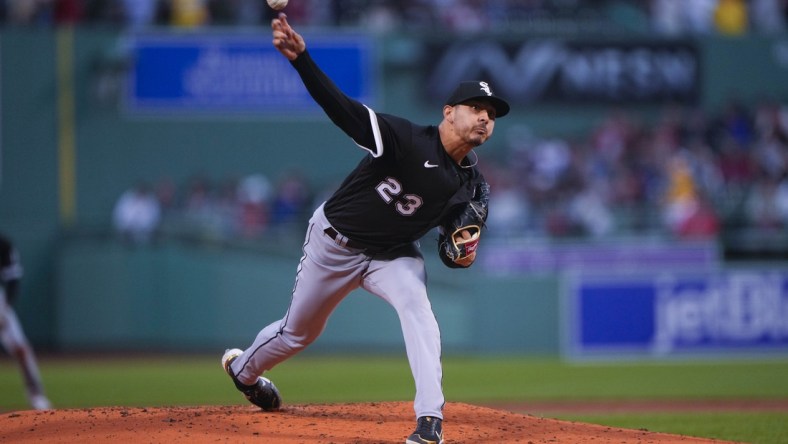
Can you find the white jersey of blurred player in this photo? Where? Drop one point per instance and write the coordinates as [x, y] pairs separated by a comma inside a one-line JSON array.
[[14, 341]]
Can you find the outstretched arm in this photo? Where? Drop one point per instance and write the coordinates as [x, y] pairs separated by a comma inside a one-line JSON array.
[[350, 115]]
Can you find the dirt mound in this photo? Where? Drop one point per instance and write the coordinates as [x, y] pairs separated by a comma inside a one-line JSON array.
[[385, 422]]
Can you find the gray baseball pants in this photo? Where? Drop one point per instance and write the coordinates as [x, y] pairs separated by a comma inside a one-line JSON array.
[[326, 274]]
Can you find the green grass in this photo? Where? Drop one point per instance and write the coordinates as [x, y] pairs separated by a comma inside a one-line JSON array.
[[756, 428], [518, 379], [199, 380]]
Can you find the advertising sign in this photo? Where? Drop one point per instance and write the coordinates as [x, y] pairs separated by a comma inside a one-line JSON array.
[[558, 71], [219, 74], [672, 314]]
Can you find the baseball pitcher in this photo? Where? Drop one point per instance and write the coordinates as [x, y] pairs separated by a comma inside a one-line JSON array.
[[412, 179]]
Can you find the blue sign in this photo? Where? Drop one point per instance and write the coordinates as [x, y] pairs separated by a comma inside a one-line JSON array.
[[206, 73], [674, 314]]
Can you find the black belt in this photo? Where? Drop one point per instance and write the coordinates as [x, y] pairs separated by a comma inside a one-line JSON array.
[[343, 240]]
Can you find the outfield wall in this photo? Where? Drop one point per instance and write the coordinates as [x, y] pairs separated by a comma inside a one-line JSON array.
[[620, 302], [176, 296]]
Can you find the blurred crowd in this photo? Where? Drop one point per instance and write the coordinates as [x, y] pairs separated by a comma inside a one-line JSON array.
[[670, 17], [207, 210], [688, 175]]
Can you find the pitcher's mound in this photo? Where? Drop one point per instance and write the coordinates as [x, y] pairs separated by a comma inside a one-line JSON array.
[[384, 422]]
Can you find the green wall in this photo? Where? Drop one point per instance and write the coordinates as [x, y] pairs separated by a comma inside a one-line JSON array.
[[184, 297], [29, 178]]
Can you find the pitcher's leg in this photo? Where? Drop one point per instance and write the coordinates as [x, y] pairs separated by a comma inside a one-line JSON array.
[[326, 274], [402, 283]]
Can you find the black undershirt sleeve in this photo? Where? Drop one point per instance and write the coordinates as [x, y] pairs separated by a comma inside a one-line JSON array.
[[350, 115]]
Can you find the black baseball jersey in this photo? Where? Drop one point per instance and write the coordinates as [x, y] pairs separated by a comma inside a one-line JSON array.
[[406, 184], [10, 268]]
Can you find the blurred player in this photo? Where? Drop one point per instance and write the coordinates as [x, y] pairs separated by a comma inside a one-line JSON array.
[[11, 335]]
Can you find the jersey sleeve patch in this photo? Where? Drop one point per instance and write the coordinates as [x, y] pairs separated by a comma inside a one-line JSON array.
[[377, 151]]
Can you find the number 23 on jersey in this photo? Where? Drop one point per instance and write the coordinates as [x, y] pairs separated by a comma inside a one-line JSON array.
[[390, 190]]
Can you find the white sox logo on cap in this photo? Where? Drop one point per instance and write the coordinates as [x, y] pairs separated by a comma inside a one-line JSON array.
[[480, 90]]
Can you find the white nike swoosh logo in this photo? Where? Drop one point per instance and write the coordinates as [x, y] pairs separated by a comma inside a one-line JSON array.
[[427, 164]]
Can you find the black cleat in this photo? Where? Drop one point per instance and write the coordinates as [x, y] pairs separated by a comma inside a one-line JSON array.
[[263, 393], [429, 430]]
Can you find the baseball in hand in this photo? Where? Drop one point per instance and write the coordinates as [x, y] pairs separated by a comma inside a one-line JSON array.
[[277, 4]]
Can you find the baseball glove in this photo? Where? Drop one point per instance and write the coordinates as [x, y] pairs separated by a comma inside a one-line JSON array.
[[459, 237]]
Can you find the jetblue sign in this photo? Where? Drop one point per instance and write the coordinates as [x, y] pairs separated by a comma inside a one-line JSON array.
[[570, 72], [676, 314], [219, 74]]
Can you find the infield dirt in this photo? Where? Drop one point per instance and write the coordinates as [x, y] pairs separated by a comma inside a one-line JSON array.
[[384, 422]]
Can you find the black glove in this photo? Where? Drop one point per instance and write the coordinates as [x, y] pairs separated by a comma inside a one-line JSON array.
[[459, 237]]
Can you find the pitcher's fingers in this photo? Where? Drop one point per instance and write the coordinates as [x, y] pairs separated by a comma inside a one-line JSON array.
[[280, 22], [283, 21], [468, 260]]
